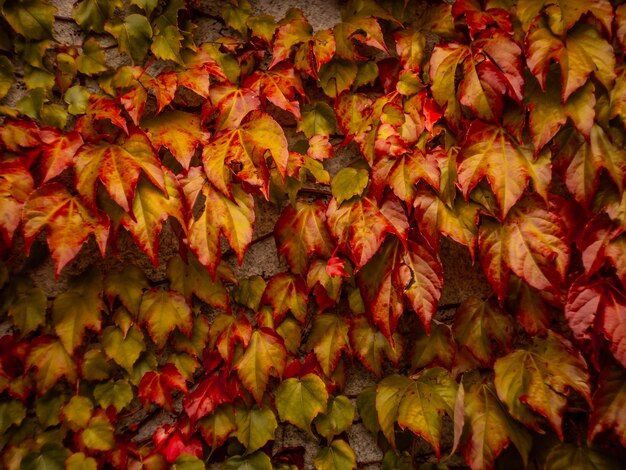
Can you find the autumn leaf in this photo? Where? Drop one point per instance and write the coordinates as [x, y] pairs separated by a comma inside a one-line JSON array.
[[151, 208], [436, 348], [299, 401], [255, 426], [491, 429], [279, 86], [286, 292], [78, 308], [32, 19], [156, 387], [483, 328], [133, 35], [568, 15], [118, 167], [92, 14], [68, 220], [608, 405], [226, 331], [265, 353], [218, 427], [301, 232], [370, 346], [58, 153], [360, 226], [328, 339], [338, 455], [539, 378], [178, 131], [234, 104], [51, 362], [233, 218], [127, 285], [582, 52], [240, 152], [211, 392], [162, 311], [16, 185]]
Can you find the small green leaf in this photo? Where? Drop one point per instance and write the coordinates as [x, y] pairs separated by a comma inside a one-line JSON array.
[[25, 304], [47, 408], [95, 365], [162, 311], [49, 457], [298, 401], [80, 461], [92, 61], [11, 413], [128, 285], [117, 393], [349, 182], [99, 433], [255, 427], [166, 44], [77, 98], [250, 291], [123, 349], [256, 461], [568, 456], [366, 403], [91, 14], [337, 419], [133, 36], [317, 119], [78, 412], [188, 462], [236, 14], [338, 456], [146, 5]]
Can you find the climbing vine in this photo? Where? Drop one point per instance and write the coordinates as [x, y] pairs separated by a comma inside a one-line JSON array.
[[499, 125]]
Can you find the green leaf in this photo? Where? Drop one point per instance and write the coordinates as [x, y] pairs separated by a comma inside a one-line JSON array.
[[337, 418], [51, 362], [77, 98], [255, 427], [317, 119], [47, 409], [483, 328], [25, 304], [11, 413], [78, 412], [98, 435], [389, 393], [78, 308], [424, 403], [124, 349], [438, 348], [166, 43], [146, 5], [403, 461], [539, 378], [366, 403], [117, 393], [256, 461], [95, 365], [127, 285], [236, 14], [133, 36], [337, 76], [32, 19], [6, 76], [92, 61], [338, 456], [568, 456], [218, 426], [349, 182], [49, 457], [286, 292], [250, 291], [299, 401], [80, 461], [91, 14], [193, 278], [265, 352], [328, 337], [162, 311]]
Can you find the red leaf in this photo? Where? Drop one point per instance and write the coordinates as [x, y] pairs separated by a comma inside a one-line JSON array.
[[172, 443], [58, 153], [156, 387], [211, 392], [335, 267], [16, 185]]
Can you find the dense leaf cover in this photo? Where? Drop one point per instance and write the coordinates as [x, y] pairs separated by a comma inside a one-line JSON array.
[[499, 124]]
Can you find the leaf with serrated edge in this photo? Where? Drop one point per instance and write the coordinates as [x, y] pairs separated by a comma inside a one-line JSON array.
[[163, 310], [286, 293], [117, 393], [609, 404], [490, 428], [255, 427], [299, 401], [265, 353], [328, 338], [539, 378], [389, 394], [51, 362], [338, 456], [337, 418]]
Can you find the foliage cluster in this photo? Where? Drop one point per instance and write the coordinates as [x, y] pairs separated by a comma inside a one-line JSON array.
[[499, 124]]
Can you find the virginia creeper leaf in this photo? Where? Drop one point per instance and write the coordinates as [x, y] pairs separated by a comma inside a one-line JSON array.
[[133, 35], [337, 418], [299, 401], [163, 310], [255, 427], [51, 362], [286, 293], [156, 387], [265, 353], [369, 345], [539, 379], [339, 455], [328, 338]]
